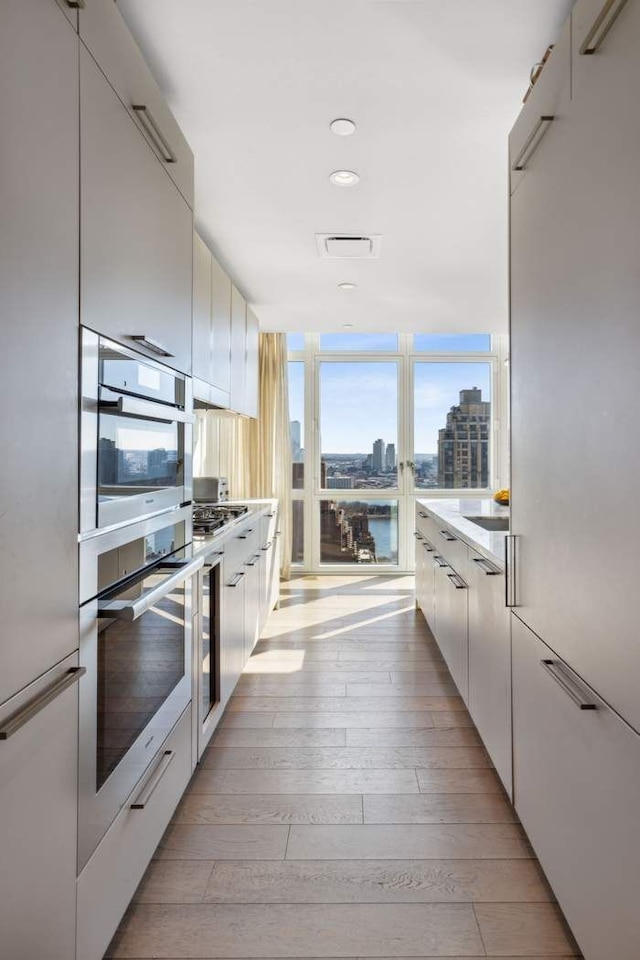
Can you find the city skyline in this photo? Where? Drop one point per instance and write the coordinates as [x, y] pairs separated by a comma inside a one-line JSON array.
[[369, 392]]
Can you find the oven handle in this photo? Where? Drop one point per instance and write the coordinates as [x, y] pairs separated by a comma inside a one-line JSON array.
[[132, 610], [147, 410]]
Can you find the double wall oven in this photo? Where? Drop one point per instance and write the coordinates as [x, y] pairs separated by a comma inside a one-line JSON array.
[[139, 581]]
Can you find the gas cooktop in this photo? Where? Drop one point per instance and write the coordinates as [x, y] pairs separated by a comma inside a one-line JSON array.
[[209, 517]]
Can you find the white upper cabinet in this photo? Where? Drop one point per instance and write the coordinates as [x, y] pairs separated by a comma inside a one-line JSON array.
[[211, 327], [107, 37], [238, 349], [136, 232], [544, 107], [252, 399], [220, 333], [599, 28], [201, 337], [39, 318]]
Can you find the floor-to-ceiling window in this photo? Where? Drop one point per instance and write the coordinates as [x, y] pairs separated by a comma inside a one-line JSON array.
[[378, 419]]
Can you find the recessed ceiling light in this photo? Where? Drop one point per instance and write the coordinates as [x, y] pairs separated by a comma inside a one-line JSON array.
[[343, 127], [347, 326], [347, 285], [344, 178]]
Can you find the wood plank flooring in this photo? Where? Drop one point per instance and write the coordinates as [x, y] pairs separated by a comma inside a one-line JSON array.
[[346, 807]]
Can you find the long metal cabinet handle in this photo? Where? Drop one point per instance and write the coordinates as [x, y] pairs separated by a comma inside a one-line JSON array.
[[145, 409], [447, 535], [76, 4], [511, 594], [132, 610], [457, 581], [532, 142], [150, 343], [39, 702], [153, 131], [560, 674], [487, 567], [267, 546], [145, 795], [235, 580], [440, 561], [601, 26], [429, 547]]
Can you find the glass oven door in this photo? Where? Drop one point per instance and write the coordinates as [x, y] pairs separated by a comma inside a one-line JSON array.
[[136, 645]]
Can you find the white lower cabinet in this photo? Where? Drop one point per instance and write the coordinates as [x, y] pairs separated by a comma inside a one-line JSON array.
[[111, 876], [38, 824], [232, 627], [490, 662], [577, 792], [451, 622]]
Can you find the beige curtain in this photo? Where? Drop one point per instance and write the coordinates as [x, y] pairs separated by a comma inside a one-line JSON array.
[[254, 454]]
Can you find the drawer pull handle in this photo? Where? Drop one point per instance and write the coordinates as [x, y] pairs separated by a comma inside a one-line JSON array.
[[423, 515], [457, 581], [447, 535], [39, 702], [532, 143], [563, 678], [152, 130], [487, 567], [76, 4], [440, 561], [147, 792], [266, 547], [429, 547], [417, 535], [236, 580], [601, 26]]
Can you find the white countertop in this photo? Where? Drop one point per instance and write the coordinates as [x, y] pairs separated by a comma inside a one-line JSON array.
[[454, 513]]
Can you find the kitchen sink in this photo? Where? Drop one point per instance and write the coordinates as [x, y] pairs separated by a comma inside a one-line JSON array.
[[491, 523]]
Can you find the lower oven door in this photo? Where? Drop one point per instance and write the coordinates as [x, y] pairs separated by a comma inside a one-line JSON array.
[[135, 643]]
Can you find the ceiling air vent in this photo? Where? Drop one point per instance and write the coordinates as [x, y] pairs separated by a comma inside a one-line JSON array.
[[340, 246]]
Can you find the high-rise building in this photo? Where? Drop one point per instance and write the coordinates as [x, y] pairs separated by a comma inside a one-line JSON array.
[[340, 483], [463, 444], [390, 457], [377, 457], [296, 449]]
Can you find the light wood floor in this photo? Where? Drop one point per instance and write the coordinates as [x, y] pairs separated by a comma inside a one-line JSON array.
[[346, 807]]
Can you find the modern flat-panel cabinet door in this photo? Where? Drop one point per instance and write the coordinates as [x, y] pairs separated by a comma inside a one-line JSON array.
[[238, 350], [575, 342], [490, 662], [252, 373], [577, 792], [451, 624], [38, 826], [221, 333], [39, 320], [201, 333], [136, 231]]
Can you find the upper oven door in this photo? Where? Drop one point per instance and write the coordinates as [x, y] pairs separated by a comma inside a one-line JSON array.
[[136, 435]]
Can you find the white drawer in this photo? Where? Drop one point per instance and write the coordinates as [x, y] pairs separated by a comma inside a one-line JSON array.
[[109, 880], [577, 792]]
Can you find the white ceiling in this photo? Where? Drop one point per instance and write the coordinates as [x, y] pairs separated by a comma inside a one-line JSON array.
[[433, 85]]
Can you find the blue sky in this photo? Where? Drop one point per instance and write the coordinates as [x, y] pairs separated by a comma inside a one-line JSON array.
[[359, 401]]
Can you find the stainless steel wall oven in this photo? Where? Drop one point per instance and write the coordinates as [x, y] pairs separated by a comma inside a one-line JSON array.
[[137, 586], [136, 429]]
